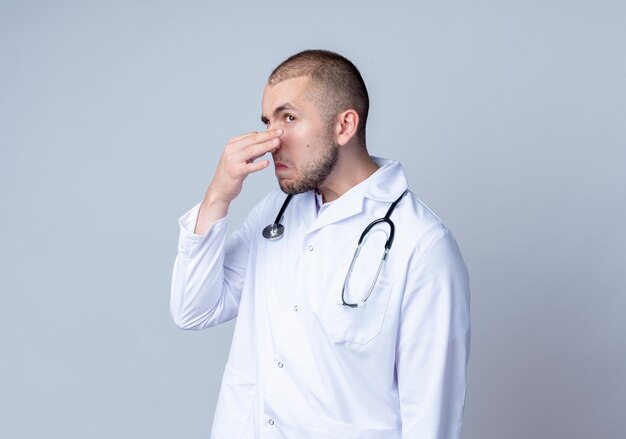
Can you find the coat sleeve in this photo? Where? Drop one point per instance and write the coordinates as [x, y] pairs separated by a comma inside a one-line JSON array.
[[434, 340], [208, 273]]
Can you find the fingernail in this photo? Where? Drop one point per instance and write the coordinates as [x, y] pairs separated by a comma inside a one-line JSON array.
[[279, 131]]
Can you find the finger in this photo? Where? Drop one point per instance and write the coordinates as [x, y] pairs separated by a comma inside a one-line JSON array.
[[258, 138], [256, 166], [260, 154], [255, 151], [237, 138]]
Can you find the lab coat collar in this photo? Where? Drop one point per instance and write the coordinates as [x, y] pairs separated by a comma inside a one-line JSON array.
[[386, 184]]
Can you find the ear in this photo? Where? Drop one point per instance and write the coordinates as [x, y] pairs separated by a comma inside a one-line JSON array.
[[346, 125]]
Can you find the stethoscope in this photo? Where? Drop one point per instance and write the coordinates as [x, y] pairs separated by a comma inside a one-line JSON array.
[[276, 231]]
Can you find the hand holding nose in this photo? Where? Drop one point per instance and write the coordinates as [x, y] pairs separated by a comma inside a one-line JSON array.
[[236, 163]]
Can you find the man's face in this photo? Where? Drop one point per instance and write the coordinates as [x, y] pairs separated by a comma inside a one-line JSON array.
[[307, 152]]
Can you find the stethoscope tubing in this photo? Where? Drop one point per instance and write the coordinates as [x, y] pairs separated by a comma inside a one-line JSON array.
[[388, 244], [276, 230]]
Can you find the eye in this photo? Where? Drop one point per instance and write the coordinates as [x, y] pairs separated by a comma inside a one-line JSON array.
[[289, 118]]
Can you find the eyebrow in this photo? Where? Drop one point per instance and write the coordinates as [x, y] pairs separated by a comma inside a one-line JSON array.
[[278, 110]]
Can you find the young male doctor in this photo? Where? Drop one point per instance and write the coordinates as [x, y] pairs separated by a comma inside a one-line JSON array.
[[329, 342]]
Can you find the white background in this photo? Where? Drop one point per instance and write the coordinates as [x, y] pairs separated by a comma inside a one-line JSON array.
[[508, 117]]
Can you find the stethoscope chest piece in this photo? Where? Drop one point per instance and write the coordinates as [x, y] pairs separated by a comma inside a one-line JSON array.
[[273, 231], [276, 230]]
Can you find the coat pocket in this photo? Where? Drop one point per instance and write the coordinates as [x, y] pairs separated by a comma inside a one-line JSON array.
[[327, 428], [360, 324], [235, 405]]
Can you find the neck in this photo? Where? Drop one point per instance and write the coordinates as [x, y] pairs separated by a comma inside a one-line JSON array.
[[352, 167]]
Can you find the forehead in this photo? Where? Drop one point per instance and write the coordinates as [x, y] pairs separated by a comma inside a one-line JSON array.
[[294, 91]]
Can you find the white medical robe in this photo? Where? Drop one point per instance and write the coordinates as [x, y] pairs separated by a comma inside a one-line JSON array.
[[303, 366]]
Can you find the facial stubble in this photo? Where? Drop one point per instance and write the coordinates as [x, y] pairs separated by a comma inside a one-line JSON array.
[[314, 173]]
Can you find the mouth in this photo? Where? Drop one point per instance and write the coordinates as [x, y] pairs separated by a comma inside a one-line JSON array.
[[280, 165]]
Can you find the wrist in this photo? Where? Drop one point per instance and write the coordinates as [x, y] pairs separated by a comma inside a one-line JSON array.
[[213, 199], [212, 208]]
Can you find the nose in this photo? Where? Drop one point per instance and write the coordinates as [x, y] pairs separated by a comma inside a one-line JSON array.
[[278, 124]]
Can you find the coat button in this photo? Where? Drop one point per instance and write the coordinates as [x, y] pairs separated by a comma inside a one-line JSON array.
[[310, 248], [271, 422], [280, 364], [295, 308]]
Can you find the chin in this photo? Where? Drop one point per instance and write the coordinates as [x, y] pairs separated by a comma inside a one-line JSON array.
[[294, 187]]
